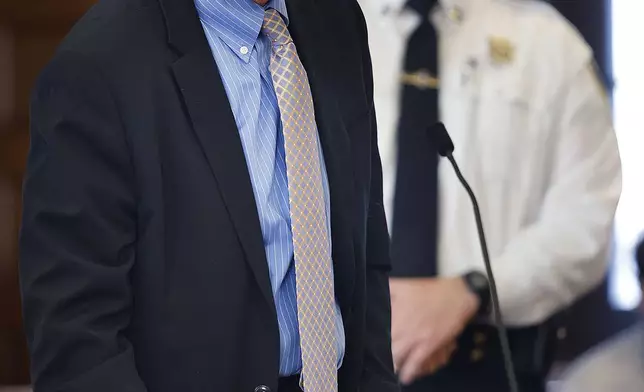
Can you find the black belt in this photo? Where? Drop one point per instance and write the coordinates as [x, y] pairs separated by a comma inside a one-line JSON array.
[[532, 347]]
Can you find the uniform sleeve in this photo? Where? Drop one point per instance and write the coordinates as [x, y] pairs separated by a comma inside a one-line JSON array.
[[78, 235], [564, 253]]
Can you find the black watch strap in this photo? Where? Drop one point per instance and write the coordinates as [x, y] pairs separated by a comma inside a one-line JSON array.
[[478, 284]]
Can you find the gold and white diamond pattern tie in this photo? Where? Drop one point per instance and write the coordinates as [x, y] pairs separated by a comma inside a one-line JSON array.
[[311, 246]]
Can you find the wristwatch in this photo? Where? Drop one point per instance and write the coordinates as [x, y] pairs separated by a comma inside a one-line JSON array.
[[479, 285]]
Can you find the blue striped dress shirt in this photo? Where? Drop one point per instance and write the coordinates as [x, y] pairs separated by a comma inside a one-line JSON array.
[[242, 55]]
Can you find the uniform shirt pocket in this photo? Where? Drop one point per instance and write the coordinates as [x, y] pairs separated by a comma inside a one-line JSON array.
[[505, 128]]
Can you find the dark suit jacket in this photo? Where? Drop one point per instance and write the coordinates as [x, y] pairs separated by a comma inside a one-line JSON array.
[[142, 261]]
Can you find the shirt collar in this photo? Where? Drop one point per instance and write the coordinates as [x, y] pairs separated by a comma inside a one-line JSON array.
[[237, 22]]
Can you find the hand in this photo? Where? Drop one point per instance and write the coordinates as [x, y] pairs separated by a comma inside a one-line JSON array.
[[427, 314], [434, 362]]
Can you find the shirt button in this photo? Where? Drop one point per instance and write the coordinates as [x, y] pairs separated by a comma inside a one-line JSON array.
[[243, 50]]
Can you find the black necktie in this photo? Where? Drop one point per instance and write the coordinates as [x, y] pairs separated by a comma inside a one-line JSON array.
[[415, 220]]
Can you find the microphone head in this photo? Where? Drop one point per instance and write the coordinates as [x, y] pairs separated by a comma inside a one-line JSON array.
[[442, 141]]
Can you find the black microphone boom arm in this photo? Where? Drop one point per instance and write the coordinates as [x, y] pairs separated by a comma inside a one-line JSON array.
[[445, 148]]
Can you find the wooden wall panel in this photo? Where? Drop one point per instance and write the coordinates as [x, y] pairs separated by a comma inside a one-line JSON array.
[[29, 34], [6, 75], [42, 14], [12, 352]]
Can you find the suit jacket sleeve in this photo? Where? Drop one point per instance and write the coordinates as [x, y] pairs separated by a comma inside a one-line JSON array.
[[378, 373], [78, 235]]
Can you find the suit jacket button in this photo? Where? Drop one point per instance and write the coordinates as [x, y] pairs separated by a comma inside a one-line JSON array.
[[262, 388]]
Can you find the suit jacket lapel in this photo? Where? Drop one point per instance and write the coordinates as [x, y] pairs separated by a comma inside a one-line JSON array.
[[207, 104], [308, 35], [213, 122]]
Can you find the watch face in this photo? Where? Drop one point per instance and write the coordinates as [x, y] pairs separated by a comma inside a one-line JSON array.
[[479, 281]]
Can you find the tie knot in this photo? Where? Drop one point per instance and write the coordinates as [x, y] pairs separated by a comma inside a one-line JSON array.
[[422, 7], [275, 28]]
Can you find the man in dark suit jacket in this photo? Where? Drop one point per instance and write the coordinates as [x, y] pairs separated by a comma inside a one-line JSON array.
[[144, 256]]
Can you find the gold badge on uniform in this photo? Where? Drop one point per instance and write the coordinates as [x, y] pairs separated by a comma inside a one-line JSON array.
[[501, 50], [455, 14], [421, 79]]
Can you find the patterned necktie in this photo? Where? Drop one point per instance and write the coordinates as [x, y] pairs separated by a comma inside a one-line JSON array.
[[313, 267]]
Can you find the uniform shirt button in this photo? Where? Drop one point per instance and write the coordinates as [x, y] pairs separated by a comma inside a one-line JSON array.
[[262, 388]]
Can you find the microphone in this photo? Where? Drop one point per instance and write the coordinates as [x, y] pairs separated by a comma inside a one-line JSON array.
[[445, 148]]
